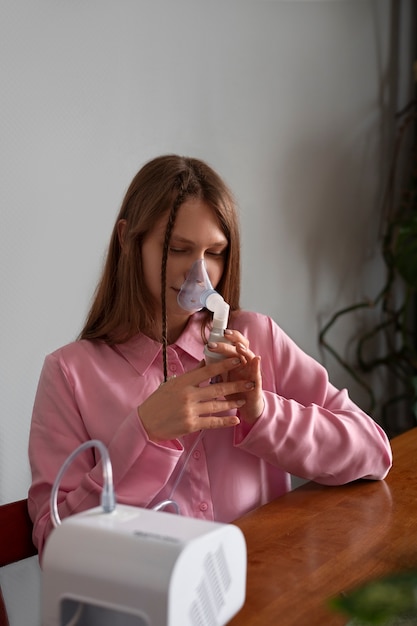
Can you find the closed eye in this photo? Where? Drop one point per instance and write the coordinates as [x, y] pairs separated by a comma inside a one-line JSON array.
[[213, 253], [219, 254]]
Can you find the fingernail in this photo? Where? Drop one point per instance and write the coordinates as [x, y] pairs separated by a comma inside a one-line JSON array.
[[240, 402], [227, 331], [212, 344], [241, 346], [250, 385], [236, 361]]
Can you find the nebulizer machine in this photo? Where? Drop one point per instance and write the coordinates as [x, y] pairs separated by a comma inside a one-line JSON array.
[[119, 565]]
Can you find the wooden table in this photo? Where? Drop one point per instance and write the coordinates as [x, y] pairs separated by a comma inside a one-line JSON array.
[[317, 541]]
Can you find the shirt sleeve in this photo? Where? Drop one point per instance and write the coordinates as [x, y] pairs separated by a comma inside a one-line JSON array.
[[308, 427], [58, 428]]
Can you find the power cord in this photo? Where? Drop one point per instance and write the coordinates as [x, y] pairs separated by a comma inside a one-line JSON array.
[[108, 499], [77, 615]]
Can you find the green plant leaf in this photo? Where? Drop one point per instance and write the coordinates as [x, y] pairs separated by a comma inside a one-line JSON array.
[[405, 251], [379, 601]]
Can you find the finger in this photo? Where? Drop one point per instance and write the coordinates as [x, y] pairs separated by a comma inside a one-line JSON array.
[[256, 371], [226, 351], [244, 351], [201, 373], [222, 389], [234, 336], [211, 422], [219, 405]]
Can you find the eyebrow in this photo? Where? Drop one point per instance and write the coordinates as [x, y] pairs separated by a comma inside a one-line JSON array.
[[214, 244]]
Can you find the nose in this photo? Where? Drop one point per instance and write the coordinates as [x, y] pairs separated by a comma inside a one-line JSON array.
[[195, 285], [194, 267]]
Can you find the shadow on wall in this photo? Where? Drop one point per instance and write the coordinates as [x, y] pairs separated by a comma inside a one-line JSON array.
[[332, 204], [331, 207]]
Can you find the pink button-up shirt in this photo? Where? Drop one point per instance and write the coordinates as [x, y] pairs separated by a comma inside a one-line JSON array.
[[90, 390]]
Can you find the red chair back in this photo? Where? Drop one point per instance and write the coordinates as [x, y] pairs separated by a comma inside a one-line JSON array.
[[15, 540]]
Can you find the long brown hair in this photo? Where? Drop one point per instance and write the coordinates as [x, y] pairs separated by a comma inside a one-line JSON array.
[[122, 304]]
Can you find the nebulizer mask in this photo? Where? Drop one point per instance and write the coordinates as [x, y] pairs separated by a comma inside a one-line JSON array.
[[196, 293]]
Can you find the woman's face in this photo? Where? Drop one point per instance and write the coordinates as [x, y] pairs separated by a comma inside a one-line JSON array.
[[196, 235]]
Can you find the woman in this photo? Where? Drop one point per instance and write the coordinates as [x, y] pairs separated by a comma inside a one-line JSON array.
[[136, 379]]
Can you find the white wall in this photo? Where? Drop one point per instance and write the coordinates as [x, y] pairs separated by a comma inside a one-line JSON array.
[[285, 99], [288, 100]]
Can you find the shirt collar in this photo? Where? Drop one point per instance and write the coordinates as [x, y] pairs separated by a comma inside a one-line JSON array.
[[141, 351]]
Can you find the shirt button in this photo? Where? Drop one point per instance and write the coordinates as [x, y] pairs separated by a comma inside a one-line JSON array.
[[173, 368], [203, 506], [196, 454]]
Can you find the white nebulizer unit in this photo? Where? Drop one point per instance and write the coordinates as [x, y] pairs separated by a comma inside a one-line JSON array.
[[197, 292], [139, 567], [119, 565]]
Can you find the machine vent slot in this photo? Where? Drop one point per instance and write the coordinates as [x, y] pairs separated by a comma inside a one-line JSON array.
[[211, 590], [223, 569], [214, 582]]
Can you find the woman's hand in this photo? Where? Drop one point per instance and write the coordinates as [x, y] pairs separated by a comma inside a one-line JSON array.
[[249, 371], [180, 406]]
